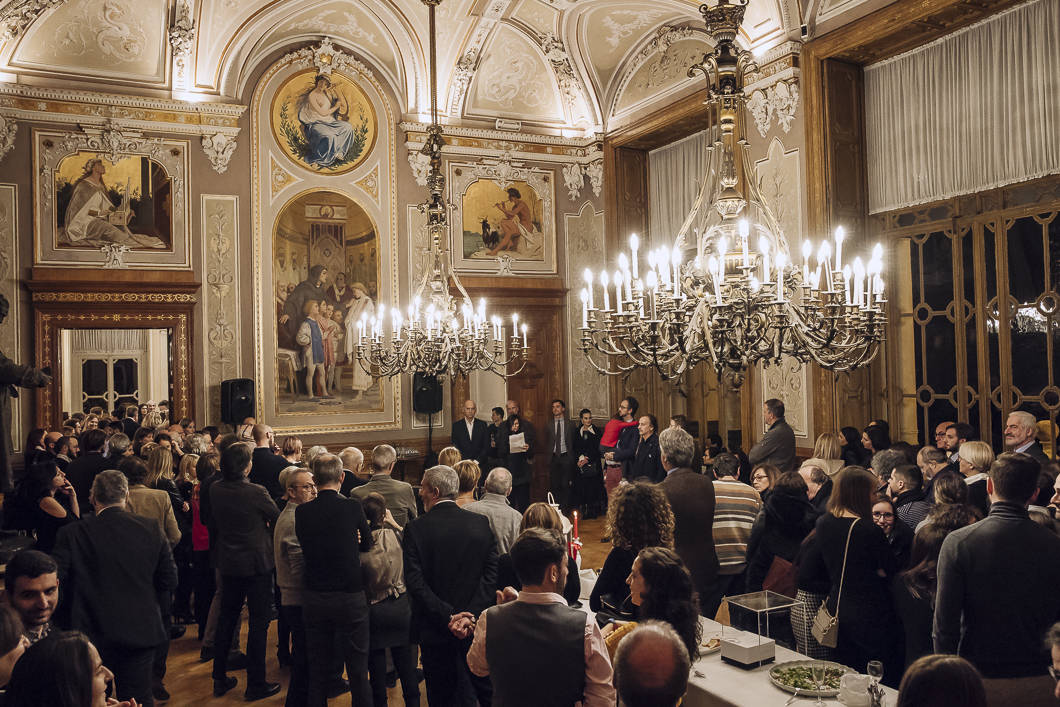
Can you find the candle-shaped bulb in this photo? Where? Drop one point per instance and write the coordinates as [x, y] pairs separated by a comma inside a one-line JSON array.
[[755, 284], [840, 234], [634, 243], [623, 262], [807, 249], [588, 276], [584, 296], [651, 280], [745, 228], [712, 266], [877, 252], [515, 319], [723, 246], [763, 245], [604, 278], [859, 268], [675, 256]]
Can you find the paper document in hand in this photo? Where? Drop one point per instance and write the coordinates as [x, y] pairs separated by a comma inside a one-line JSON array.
[[517, 443]]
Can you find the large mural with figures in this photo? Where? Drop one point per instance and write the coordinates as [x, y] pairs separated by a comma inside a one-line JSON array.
[[324, 241]]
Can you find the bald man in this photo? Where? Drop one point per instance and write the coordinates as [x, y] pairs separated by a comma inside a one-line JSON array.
[[265, 465], [940, 434], [471, 435], [651, 666]]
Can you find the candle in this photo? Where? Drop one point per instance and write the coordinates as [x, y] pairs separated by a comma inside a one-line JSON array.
[[878, 287], [675, 260], [763, 245], [634, 243], [846, 284], [588, 275], [807, 249], [576, 525], [585, 309], [629, 287], [618, 291], [524, 336], [604, 282], [781, 261], [745, 236], [859, 278], [712, 265], [623, 262], [840, 234]]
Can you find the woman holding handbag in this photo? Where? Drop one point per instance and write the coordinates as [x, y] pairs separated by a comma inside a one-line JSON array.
[[860, 564]]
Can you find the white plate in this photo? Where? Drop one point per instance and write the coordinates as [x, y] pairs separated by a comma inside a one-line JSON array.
[[706, 650], [803, 692]]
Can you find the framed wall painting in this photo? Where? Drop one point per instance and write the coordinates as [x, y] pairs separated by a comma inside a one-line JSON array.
[[504, 219], [98, 190]]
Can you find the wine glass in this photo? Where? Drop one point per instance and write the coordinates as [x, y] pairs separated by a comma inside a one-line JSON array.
[[875, 671], [817, 671]]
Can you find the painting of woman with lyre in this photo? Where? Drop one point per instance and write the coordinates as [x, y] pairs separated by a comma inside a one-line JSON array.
[[93, 219]]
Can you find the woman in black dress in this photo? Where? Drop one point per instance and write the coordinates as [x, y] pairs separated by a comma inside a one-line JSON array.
[[868, 626], [589, 494], [49, 499], [519, 463]]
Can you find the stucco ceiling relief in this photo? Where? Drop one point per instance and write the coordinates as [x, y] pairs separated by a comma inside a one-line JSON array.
[[464, 71], [18, 15], [575, 96], [182, 39]]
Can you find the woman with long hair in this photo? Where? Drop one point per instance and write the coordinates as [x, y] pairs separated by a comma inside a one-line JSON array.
[[45, 495], [389, 611], [539, 515], [763, 476], [661, 589], [867, 623], [63, 671], [899, 535], [518, 462], [828, 450], [874, 439], [914, 589], [35, 449], [638, 516]]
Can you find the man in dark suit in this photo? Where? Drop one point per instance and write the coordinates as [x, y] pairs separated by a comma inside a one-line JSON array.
[[332, 531], [559, 446], [647, 462], [129, 425], [691, 496], [241, 538], [450, 567], [82, 471], [1021, 432], [471, 435], [777, 446], [113, 568]]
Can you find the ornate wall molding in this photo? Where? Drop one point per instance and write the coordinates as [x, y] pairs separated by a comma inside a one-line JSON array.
[[460, 79], [789, 382], [585, 236], [18, 15], [123, 297], [10, 287], [326, 58], [8, 130], [220, 225], [595, 171], [573, 179], [219, 148], [780, 101], [181, 40], [570, 86]]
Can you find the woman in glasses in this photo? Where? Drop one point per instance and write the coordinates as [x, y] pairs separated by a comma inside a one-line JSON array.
[[899, 535]]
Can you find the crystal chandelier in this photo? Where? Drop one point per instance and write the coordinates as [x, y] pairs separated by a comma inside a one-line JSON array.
[[728, 292], [439, 335]]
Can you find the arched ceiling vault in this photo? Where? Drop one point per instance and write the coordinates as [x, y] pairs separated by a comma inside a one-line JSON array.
[[571, 65]]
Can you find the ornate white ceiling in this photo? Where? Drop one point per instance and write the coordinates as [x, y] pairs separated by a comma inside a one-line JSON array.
[[575, 65]]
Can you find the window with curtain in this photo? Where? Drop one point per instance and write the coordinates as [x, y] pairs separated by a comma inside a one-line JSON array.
[[675, 173]]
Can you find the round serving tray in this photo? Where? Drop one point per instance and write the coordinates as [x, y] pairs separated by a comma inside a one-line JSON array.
[[806, 692]]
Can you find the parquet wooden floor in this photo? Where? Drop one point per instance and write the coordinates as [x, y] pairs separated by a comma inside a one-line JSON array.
[[189, 681]]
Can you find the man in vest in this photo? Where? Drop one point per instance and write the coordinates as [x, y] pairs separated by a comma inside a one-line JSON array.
[[538, 634]]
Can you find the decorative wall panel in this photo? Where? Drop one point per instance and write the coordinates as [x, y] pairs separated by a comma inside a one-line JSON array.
[[9, 286], [585, 237], [220, 315]]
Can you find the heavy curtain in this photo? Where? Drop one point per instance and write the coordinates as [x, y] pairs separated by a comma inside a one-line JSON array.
[[974, 110], [675, 172]]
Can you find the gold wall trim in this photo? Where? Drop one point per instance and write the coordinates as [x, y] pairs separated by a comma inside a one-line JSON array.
[[150, 297]]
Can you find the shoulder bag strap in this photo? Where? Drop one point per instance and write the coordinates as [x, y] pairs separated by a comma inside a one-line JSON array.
[[843, 572]]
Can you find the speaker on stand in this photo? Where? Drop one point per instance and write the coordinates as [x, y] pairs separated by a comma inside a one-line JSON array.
[[427, 400]]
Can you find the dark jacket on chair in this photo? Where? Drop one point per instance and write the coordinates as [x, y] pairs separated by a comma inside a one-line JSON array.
[[691, 496], [112, 569], [450, 566]]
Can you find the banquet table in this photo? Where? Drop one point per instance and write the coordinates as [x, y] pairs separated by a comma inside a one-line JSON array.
[[715, 683]]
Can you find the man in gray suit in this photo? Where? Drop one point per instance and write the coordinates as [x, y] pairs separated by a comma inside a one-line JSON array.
[[399, 496], [777, 446], [504, 520]]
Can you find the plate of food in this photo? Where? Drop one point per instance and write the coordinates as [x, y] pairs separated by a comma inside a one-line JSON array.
[[710, 645], [799, 675]]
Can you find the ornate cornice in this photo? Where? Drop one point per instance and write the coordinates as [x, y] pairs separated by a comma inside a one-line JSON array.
[[69, 100], [491, 143], [17, 15], [124, 297]]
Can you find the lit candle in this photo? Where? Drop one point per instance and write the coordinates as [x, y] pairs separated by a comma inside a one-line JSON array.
[[588, 275], [807, 249], [623, 262], [840, 234], [634, 243], [585, 309], [824, 255], [859, 277], [629, 287], [604, 282], [745, 236], [879, 288], [652, 282], [617, 282], [712, 265], [576, 525], [515, 324], [675, 260], [781, 261], [846, 284], [763, 245], [524, 337]]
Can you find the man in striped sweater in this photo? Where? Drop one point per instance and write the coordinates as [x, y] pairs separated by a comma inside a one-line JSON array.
[[736, 507]]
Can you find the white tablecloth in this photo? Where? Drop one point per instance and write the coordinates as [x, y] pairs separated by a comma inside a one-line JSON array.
[[715, 683]]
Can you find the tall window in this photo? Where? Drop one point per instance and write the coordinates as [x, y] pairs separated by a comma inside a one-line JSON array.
[[977, 327]]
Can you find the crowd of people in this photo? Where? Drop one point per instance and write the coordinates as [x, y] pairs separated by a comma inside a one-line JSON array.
[[940, 562]]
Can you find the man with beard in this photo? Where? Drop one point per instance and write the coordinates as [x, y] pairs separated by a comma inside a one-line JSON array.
[[310, 289]]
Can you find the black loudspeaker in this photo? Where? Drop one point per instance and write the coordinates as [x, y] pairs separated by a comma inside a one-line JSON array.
[[237, 400], [426, 394]]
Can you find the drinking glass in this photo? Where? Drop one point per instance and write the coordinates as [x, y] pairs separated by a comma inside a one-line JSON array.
[[817, 671], [874, 670]]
